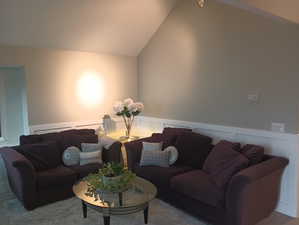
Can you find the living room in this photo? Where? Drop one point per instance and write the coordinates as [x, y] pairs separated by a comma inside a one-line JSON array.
[[213, 73]]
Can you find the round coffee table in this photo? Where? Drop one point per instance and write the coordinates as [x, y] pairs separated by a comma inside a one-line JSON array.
[[133, 200]]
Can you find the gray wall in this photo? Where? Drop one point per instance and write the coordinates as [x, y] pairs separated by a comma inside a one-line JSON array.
[[202, 63], [52, 78]]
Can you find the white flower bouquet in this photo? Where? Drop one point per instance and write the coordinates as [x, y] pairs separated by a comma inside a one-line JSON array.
[[128, 109]]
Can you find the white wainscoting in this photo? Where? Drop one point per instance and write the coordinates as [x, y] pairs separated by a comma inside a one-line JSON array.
[[56, 127], [280, 144], [116, 123]]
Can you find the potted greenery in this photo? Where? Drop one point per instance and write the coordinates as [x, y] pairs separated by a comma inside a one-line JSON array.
[[111, 173], [113, 177]]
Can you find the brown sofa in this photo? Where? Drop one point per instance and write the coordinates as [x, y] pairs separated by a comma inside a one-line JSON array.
[[250, 194], [35, 185]]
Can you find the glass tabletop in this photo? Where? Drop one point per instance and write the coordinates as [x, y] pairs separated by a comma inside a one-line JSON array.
[[140, 192]]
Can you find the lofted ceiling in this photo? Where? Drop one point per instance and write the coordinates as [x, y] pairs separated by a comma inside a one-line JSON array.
[[107, 26]]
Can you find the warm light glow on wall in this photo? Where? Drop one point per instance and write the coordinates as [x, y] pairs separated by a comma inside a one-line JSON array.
[[90, 89]]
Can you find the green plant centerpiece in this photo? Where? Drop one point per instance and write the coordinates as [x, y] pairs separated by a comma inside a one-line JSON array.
[[113, 177]]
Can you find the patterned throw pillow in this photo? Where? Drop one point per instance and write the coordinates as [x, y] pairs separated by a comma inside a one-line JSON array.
[[106, 141], [173, 154], [155, 158], [90, 157], [89, 147], [152, 146], [71, 156]]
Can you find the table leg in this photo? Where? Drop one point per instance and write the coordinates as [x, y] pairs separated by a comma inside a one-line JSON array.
[[120, 197], [145, 213], [106, 220], [84, 208]]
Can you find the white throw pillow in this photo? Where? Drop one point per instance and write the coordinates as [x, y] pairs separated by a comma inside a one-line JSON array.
[[174, 154], [155, 158], [106, 141], [71, 156], [90, 157], [90, 147], [150, 146]]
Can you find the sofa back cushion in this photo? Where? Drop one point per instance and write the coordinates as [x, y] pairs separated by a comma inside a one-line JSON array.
[[175, 131], [193, 149], [254, 153], [76, 140], [30, 139], [168, 140], [223, 162], [43, 156], [54, 136]]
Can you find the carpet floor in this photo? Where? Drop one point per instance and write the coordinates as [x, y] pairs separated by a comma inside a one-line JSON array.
[[69, 212]]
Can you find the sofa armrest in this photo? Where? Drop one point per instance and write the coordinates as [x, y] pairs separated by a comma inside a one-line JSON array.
[[21, 176], [253, 193], [113, 153]]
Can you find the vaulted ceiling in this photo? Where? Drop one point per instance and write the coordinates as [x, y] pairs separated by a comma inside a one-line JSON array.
[[106, 26]]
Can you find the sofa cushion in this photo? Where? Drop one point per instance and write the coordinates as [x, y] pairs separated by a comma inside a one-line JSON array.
[[30, 139], [234, 145], [160, 176], [223, 162], [43, 156], [79, 132], [83, 171], [193, 149], [254, 153], [54, 136], [198, 185], [168, 140], [56, 177], [77, 140], [175, 131]]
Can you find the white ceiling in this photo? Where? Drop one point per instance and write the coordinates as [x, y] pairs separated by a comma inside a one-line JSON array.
[[107, 26]]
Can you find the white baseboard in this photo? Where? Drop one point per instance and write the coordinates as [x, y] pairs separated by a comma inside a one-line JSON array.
[[280, 144]]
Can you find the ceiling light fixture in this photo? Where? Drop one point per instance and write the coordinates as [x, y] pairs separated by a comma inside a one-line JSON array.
[[200, 3]]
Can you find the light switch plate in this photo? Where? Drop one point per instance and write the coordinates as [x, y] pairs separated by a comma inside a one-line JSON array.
[[278, 127], [253, 97]]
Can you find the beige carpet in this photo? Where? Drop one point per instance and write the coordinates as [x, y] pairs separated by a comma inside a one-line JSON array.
[[69, 212]]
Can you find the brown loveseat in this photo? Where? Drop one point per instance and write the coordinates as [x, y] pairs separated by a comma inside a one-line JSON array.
[[250, 194], [34, 184]]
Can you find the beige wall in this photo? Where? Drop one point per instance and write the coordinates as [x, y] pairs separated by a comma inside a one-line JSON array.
[[202, 63], [52, 82]]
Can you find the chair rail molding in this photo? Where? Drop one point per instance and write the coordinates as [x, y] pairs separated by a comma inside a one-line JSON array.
[[56, 127], [279, 144]]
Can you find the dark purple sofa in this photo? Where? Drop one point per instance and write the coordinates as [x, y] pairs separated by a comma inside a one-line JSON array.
[[250, 195], [39, 187]]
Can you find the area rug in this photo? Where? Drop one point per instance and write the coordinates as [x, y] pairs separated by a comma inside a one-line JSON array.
[[69, 212]]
